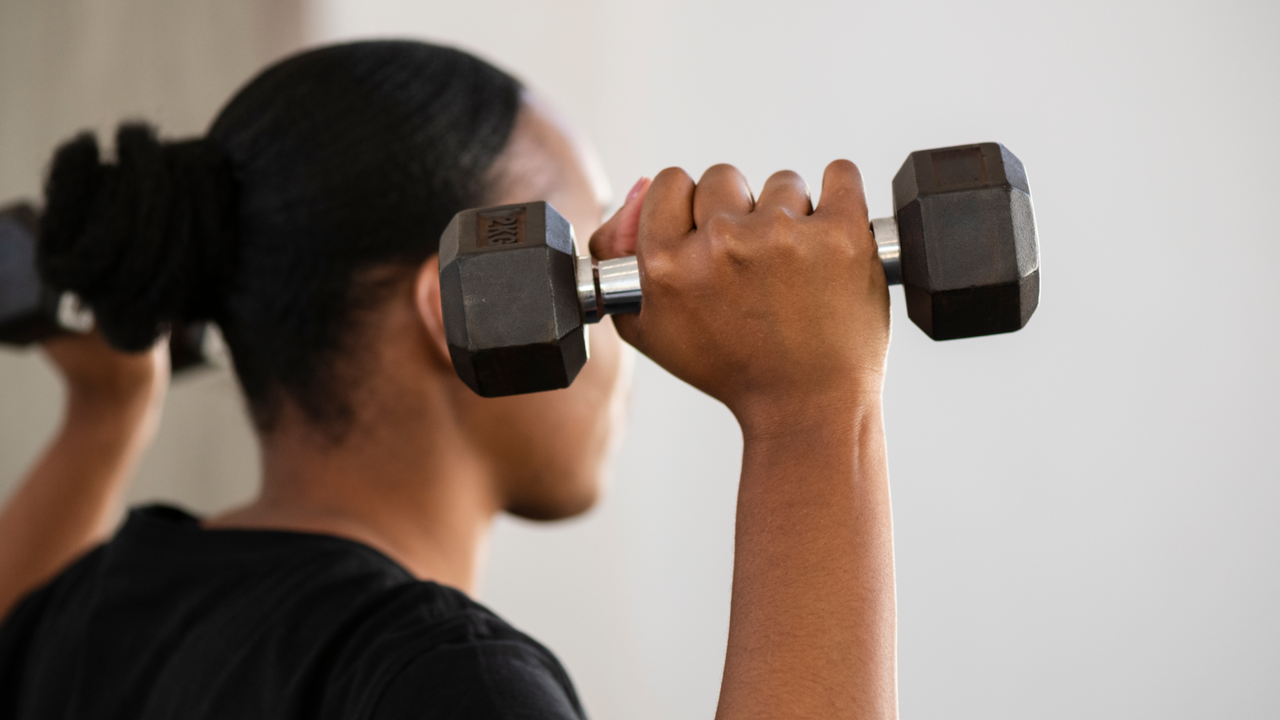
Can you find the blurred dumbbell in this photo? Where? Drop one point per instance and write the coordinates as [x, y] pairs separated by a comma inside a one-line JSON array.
[[30, 311], [517, 298]]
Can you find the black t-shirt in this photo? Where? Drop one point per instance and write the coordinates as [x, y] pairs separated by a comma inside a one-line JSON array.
[[168, 620]]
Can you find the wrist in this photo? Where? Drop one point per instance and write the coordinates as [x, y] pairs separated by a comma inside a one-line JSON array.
[[110, 418], [799, 417], [103, 382]]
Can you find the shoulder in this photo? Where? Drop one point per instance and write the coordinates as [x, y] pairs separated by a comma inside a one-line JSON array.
[[503, 675], [287, 619], [22, 620], [38, 611], [437, 649]]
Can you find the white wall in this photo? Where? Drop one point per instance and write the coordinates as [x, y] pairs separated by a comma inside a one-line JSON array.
[[1085, 510]]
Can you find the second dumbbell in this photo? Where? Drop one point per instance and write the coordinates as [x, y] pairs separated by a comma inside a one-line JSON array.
[[31, 311]]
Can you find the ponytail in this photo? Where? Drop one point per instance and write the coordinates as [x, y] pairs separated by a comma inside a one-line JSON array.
[[148, 241], [328, 164]]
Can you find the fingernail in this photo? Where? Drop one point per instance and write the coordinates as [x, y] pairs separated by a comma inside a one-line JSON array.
[[635, 190]]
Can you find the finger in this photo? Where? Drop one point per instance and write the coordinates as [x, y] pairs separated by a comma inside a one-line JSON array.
[[788, 191], [667, 213], [618, 236], [842, 193], [628, 327], [162, 359], [723, 190]]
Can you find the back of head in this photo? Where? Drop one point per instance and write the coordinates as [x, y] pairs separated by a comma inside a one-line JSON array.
[[328, 165]]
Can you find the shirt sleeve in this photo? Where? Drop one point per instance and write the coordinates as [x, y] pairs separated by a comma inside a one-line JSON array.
[[489, 680]]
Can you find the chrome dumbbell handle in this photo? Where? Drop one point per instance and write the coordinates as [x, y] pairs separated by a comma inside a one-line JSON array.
[[885, 231], [612, 287], [608, 287]]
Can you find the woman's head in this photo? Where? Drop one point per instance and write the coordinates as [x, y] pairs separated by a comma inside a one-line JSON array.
[[317, 197]]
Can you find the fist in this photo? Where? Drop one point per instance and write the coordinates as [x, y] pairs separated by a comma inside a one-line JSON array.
[[99, 375], [768, 305]]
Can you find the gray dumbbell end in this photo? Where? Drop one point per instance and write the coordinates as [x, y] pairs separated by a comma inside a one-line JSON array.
[[970, 251]]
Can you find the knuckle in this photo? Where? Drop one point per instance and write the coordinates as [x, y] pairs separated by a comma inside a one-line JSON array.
[[788, 178], [734, 254], [721, 170], [672, 175], [724, 236], [722, 175], [846, 168], [655, 272], [776, 222], [787, 188], [778, 218], [720, 229]]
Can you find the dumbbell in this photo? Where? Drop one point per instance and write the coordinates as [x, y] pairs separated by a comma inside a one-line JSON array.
[[517, 298], [31, 311]]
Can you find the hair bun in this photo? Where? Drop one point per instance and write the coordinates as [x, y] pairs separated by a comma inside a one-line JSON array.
[[146, 241]]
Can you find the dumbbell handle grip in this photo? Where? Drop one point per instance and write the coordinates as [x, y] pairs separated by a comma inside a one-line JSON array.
[[885, 231], [612, 287], [608, 287]]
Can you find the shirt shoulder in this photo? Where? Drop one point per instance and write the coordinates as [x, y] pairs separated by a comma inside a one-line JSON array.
[[176, 621], [455, 659], [494, 678]]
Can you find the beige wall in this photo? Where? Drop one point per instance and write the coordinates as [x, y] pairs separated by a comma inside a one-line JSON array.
[[66, 65]]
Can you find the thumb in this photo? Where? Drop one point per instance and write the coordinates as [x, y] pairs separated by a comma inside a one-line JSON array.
[[617, 237]]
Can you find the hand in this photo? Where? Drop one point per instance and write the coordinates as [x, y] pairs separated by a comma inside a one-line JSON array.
[[768, 305], [101, 378]]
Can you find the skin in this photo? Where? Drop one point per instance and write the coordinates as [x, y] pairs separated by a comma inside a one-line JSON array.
[[67, 500], [433, 473], [790, 331], [775, 308]]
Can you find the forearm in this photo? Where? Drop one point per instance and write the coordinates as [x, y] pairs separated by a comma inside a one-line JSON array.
[[812, 626], [64, 504]]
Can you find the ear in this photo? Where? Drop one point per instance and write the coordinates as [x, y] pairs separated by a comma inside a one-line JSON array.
[[426, 294]]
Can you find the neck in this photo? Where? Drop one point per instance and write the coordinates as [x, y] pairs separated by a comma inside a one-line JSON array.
[[414, 493]]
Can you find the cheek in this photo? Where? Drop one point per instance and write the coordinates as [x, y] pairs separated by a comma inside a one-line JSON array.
[[607, 377], [560, 470], [622, 360], [548, 451], [588, 412]]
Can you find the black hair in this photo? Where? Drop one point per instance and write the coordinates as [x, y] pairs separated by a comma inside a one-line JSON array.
[[327, 165]]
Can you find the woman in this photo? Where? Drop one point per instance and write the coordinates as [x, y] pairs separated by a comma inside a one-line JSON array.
[[305, 224]]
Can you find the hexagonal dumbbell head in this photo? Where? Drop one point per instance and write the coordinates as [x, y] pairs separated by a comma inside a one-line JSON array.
[[970, 258], [511, 312], [28, 309]]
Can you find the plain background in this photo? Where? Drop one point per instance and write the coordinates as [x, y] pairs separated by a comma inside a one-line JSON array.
[[68, 65], [1084, 510]]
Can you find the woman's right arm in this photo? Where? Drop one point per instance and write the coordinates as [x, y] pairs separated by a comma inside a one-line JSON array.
[[781, 312], [812, 626]]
